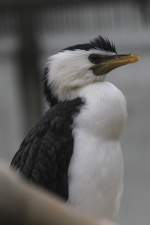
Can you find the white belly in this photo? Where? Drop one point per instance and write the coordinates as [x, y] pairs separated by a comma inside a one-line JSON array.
[[96, 177], [96, 167]]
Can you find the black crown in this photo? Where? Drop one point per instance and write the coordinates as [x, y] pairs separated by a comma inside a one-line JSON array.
[[99, 43]]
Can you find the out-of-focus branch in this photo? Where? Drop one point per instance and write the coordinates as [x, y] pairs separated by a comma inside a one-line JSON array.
[[23, 204]]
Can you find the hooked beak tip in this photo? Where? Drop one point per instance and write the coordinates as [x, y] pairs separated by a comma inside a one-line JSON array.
[[133, 58]]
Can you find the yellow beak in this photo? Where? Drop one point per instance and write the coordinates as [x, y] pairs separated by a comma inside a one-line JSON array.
[[114, 62]]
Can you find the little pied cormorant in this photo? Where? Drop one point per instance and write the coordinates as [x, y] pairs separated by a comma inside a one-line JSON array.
[[74, 151]]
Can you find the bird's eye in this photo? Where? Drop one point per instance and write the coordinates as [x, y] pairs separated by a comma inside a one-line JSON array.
[[95, 58]]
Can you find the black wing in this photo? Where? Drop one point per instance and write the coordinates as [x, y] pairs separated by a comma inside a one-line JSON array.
[[45, 153]]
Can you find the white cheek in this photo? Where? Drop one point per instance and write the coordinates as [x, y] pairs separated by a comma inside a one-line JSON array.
[[69, 70], [89, 76]]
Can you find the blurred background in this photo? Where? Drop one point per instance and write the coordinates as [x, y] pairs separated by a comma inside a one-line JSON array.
[[32, 30]]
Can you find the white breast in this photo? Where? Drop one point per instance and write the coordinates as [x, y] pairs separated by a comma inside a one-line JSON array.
[[96, 167]]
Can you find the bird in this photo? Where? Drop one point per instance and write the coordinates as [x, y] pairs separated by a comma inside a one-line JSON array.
[[74, 151]]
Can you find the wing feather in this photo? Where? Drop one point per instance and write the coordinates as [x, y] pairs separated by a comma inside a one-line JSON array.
[[45, 153]]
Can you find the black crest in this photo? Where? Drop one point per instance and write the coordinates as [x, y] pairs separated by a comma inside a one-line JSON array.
[[103, 44], [99, 43]]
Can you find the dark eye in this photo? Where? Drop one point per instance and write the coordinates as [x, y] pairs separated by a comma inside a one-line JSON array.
[[95, 58]]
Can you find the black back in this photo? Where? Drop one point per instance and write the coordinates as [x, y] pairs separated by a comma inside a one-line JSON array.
[[45, 153]]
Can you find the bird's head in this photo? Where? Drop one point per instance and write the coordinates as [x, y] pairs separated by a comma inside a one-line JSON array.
[[80, 65]]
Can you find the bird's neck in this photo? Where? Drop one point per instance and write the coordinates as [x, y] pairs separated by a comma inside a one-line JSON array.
[[104, 113]]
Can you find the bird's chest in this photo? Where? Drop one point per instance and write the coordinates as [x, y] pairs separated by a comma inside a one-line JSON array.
[[104, 113], [96, 167], [96, 163]]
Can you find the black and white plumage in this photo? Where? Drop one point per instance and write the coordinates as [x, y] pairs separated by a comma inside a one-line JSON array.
[[45, 153], [75, 151]]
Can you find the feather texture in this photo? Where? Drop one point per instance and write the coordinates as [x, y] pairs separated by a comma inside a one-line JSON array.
[[99, 43], [45, 153]]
